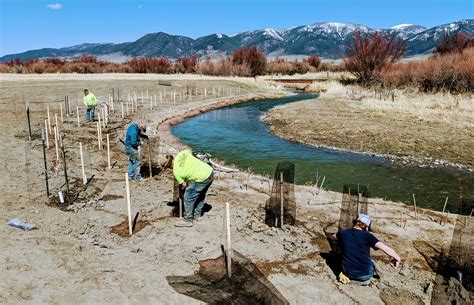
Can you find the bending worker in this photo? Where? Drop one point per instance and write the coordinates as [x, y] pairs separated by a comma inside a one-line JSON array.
[[355, 244], [90, 101], [195, 177], [132, 141]]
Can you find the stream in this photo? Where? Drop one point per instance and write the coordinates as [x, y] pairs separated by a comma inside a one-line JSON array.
[[237, 135]]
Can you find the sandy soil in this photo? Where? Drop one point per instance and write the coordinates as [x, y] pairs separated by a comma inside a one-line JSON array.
[[429, 129], [76, 256]]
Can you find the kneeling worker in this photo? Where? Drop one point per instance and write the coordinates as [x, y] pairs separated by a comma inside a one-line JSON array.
[[195, 177], [132, 140], [355, 244]]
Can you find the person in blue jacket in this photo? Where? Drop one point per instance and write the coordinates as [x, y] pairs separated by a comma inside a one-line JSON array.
[[132, 141]]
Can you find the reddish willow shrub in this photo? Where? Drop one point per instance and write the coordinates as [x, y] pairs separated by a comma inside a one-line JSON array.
[[370, 54], [150, 65], [186, 64], [313, 60], [452, 72], [455, 43], [249, 61]]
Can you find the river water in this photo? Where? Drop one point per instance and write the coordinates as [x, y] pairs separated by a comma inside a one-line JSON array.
[[237, 135]]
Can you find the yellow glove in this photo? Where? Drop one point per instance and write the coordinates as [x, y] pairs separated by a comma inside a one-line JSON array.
[[343, 278]]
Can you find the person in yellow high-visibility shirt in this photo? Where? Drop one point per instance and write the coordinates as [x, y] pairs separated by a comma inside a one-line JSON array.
[[90, 101], [195, 177]]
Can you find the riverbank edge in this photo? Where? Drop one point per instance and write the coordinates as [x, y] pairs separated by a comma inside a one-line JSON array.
[[403, 160]]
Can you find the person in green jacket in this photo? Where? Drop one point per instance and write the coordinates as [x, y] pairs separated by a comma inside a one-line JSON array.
[[195, 177], [90, 101]]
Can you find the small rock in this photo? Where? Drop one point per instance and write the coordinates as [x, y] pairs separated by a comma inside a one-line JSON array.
[[428, 289], [136, 250], [404, 270]]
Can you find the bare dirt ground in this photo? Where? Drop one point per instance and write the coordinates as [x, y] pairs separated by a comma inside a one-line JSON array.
[[429, 129], [79, 254]]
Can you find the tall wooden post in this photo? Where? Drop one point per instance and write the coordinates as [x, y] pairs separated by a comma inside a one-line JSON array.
[[61, 141], [46, 129], [282, 208], [49, 120], [150, 168], [43, 132], [30, 136], [129, 208], [108, 152], [84, 178], [227, 241]]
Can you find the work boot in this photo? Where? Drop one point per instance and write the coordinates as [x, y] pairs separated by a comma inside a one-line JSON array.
[[183, 223]]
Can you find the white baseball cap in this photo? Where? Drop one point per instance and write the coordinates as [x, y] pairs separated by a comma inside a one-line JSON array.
[[365, 219]]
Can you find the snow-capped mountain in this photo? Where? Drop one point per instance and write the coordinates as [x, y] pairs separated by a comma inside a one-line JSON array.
[[405, 31], [326, 39]]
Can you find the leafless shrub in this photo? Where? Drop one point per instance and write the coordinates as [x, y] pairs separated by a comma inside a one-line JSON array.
[[455, 43], [370, 54]]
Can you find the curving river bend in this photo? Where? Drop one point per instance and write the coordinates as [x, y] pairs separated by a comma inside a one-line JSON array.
[[237, 135]]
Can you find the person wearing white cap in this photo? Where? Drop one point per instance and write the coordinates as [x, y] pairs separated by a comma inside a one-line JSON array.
[[355, 244]]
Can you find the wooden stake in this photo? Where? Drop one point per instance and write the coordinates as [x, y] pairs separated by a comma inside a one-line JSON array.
[[180, 203], [66, 180], [78, 117], [108, 152], [149, 159], [56, 121], [228, 241], [446, 218], [414, 205], [122, 111], [61, 109], [56, 143], [46, 129], [43, 132], [445, 203], [104, 119], [129, 208], [322, 182], [84, 178], [30, 136], [49, 120], [281, 200], [98, 135]]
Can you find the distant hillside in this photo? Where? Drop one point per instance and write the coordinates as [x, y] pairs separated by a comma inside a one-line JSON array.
[[326, 39]]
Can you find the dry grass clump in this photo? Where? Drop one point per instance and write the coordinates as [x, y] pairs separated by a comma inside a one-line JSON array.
[[443, 107]]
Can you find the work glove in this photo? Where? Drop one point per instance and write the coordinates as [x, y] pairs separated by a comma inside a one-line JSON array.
[[135, 147], [343, 278]]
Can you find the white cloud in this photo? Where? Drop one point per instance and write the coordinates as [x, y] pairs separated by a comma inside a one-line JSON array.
[[55, 6], [140, 6]]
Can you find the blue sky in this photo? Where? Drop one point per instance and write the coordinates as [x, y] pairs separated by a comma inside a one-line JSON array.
[[34, 24]]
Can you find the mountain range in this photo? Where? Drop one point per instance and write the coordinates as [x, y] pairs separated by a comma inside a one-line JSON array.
[[325, 39]]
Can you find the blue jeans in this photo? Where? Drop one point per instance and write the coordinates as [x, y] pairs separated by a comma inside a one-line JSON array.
[[133, 163], [360, 277], [90, 114], [194, 198]]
